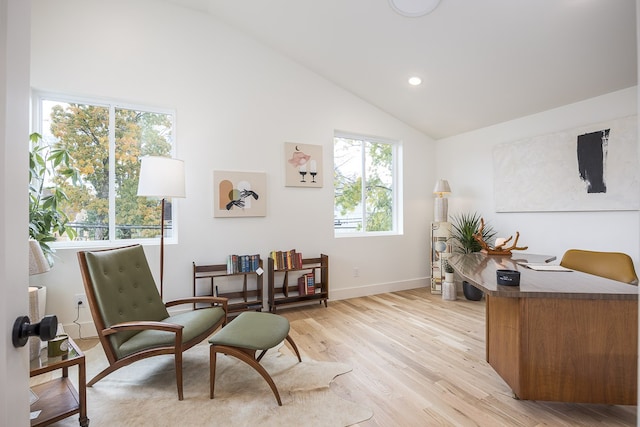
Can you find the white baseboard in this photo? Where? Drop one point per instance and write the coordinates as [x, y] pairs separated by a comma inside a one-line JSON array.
[[378, 288], [88, 329]]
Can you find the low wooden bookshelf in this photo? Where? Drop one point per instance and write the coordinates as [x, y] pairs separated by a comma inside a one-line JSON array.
[[244, 289], [286, 291]]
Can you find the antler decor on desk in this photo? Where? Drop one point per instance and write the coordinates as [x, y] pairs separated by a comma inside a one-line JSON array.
[[500, 248]]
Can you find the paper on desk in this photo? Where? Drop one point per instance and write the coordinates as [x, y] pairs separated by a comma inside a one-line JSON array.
[[545, 267]]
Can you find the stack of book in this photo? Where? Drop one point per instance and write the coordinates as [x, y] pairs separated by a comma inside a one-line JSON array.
[[286, 260], [306, 284], [242, 263]]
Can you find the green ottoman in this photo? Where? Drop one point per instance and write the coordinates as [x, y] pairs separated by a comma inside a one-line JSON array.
[[244, 336]]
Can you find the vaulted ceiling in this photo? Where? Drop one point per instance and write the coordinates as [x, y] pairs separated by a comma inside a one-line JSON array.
[[481, 62]]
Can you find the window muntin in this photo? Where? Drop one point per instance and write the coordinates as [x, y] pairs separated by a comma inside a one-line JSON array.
[[365, 185], [106, 141]]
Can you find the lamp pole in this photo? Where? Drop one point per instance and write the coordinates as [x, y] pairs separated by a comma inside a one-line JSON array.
[[162, 247], [161, 177]]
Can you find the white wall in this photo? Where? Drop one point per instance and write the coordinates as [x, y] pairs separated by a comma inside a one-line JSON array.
[[466, 160], [237, 103]]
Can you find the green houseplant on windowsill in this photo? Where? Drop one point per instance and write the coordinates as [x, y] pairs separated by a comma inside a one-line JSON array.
[[46, 219], [464, 226]]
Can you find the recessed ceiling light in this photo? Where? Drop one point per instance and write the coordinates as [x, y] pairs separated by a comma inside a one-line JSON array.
[[414, 8], [415, 81]]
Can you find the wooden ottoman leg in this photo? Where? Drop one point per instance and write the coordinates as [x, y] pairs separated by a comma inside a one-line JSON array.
[[295, 348], [248, 357], [267, 331]]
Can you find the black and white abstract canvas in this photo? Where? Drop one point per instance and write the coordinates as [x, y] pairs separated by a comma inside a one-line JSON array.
[[593, 168], [239, 194]]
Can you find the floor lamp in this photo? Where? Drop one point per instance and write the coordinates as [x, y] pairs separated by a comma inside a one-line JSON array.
[[440, 204], [161, 177]]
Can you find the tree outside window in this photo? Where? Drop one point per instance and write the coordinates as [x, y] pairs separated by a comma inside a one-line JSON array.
[[106, 143], [364, 185]]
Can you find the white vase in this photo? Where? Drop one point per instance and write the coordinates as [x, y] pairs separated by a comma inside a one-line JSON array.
[[449, 291], [448, 277], [37, 300]]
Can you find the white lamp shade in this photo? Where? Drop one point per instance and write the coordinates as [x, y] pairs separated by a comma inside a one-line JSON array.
[[414, 8], [442, 187], [161, 177], [38, 263]]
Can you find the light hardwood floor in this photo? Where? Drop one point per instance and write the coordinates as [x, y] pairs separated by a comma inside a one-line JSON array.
[[420, 361]]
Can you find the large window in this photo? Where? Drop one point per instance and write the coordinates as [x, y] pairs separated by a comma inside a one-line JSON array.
[[365, 185], [106, 141]]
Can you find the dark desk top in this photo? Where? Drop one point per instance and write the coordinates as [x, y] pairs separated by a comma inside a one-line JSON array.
[[480, 270]]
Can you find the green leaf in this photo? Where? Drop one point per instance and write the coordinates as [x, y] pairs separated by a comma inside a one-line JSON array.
[[464, 226], [45, 220]]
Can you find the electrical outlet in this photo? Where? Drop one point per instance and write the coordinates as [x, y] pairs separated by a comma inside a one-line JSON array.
[[81, 301]]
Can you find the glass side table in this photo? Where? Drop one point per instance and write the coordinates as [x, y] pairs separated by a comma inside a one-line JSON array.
[[58, 398]]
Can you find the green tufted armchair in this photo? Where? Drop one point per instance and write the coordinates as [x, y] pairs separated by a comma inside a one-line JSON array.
[[132, 321]]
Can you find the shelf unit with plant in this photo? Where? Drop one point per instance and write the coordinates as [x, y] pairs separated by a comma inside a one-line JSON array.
[[440, 251]]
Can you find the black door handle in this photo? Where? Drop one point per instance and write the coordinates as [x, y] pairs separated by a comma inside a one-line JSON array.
[[23, 329]]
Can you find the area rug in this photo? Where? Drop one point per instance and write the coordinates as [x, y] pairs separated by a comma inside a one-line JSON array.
[[145, 394]]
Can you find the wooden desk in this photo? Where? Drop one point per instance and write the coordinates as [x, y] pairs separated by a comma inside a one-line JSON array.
[[559, 336]]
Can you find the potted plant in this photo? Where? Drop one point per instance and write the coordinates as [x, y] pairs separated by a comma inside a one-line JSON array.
[[46, 217], [448, 271], [464, 226]]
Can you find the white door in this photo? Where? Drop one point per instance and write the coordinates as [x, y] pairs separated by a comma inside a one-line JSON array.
[[15, 28]]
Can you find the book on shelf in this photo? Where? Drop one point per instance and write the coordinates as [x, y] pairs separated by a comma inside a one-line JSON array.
[[306, 284], [286, 260], [231, 263], [302, 285], [311, 284], [242, 263], [278, 259]]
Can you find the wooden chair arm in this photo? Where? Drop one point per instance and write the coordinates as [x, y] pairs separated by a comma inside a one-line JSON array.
[[206, 300], [141, 326]]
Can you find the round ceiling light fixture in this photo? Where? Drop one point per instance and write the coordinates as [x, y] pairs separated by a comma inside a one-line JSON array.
[[414, 8], [415, 81]]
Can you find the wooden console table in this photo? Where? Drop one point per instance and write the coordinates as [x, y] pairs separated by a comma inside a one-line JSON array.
[[559, 336]]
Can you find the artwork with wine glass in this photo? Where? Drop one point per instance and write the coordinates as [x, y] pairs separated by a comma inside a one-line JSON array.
[[303, 165]]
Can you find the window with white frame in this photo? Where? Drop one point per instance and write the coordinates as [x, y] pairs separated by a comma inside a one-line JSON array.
[[365, 185], [105, 141]]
